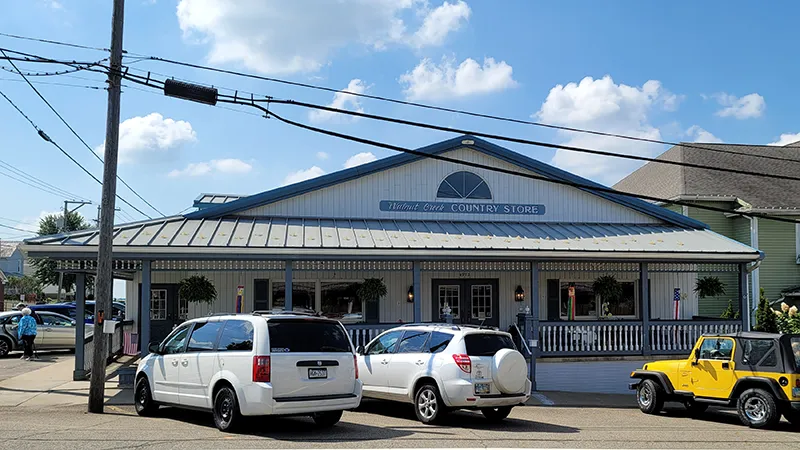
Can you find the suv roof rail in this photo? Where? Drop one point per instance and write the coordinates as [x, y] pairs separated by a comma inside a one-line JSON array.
[[284, 313], [430, 324]]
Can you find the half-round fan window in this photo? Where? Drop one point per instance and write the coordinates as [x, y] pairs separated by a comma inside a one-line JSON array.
[[464, 185]]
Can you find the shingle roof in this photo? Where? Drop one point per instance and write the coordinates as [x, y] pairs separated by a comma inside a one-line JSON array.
[[761, 192], [7, 248]]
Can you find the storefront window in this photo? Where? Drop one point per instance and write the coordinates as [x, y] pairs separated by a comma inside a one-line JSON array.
[[340, 301], [589, 306], [302, 295]]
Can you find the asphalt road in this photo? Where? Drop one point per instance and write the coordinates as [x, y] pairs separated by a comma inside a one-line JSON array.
[[11, 365], [381, 425]]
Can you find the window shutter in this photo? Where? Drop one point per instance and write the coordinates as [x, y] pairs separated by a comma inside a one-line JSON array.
[[553, 300]]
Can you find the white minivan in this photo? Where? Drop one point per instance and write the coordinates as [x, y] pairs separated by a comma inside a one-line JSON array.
[[250, 365]]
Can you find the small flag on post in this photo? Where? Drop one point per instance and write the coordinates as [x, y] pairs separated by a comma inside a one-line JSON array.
[[239, 298], [677, 299], [571, 312]]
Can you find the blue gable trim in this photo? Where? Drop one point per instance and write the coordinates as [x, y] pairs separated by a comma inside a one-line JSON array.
[[441, 147]]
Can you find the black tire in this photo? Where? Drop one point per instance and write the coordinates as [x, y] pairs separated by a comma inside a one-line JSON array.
[[327, 419], [428, 404], [757, 409], [496, 415], [695, 408], [650, 396], [6, 347], [792, 416], [143, 399], [227, 416]]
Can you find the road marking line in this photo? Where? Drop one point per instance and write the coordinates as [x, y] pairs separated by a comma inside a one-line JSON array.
[[543, 399]]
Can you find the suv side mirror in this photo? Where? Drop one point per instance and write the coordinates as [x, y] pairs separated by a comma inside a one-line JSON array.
[[696, 356], [360, 349], [154, 348]]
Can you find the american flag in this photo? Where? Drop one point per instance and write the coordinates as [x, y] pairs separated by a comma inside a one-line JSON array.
[[677, 299]]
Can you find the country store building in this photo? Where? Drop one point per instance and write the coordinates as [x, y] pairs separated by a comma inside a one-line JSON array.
[[496, 248]]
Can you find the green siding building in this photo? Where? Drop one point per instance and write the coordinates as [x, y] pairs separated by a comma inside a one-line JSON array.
[[779, 273]]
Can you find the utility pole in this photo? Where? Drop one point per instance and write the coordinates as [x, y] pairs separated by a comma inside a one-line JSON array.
[[62, 229], [97, 220], [104, 282]]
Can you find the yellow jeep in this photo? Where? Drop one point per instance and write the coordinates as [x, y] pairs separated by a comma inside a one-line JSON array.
[[757, 373]]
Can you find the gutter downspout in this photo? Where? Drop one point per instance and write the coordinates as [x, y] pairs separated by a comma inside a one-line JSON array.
[[755, 286]]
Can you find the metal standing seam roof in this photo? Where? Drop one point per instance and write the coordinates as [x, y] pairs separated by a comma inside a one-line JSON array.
[[206, 200], [481, 238]]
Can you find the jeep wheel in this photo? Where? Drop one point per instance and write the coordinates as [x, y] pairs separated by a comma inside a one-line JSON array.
[[650, 397], [757, 409], [695, 408]]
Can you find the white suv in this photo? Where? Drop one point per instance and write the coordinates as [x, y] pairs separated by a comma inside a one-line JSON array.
[[249, 365], [444, 367]]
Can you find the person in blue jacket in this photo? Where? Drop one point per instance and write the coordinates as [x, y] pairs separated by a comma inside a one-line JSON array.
[[26, 332]]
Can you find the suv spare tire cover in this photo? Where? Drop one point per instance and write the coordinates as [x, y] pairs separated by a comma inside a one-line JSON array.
[[509, 371]]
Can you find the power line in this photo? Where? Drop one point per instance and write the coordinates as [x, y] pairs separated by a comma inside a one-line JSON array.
[[17, 221], [48, 41], [51, 83], [79, 137], [57, 193], [443, 109], [47, 138], [17, 229], [20, 172]]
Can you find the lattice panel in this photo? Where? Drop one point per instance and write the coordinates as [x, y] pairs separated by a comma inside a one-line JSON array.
[[564, 266], [468, 266], [353, 265]]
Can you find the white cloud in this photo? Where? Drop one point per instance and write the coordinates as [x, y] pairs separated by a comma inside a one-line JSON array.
[[359, 159], [786, 139], [303, 175], [698, 134], [747, 107], [341, 100], [439, 22], [225, 166], [323, 155], [285, 37], [152, 137], [429, 81], [602, 105]]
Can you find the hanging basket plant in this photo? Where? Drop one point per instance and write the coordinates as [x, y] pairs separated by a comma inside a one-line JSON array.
[[197, 289], [608, 288], [709, 287], [371, 290]]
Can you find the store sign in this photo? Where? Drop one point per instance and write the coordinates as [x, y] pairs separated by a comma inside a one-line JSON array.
[[462, 208]]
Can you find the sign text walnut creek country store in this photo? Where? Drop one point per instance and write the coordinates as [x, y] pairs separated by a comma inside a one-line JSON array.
[[462, 208]]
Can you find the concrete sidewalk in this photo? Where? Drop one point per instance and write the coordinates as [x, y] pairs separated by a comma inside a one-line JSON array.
[[53, 386]]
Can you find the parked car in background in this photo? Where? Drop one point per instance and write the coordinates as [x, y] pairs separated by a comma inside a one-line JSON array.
[[252, 365], [70, 310], [439, 368], [54, 331]]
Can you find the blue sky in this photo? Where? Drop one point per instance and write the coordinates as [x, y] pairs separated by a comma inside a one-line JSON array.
[[705, 71]]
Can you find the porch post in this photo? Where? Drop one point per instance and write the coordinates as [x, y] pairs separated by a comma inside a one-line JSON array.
[[144, 311], [744, 304], [80, 327], [287, 304], [532, 327], [417, 296], [644, 287]]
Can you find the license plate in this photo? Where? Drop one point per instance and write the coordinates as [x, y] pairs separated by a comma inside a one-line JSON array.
[[795, 392], [317, 373], [482, 388]]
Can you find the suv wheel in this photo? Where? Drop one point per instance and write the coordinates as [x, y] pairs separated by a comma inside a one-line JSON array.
[[327, 419], [428, 404], [496, 414], [226, 410], [143, 399], [757, 409], [5, 347], [650, 397]]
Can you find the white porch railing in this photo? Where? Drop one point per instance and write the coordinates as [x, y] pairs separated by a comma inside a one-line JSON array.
[[363, 333], [601, 337]]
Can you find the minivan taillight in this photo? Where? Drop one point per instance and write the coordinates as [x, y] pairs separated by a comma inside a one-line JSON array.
[[355, 363], [463, 362], [261, 369]]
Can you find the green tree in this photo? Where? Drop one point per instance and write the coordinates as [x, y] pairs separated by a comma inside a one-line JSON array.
[[45, 268], [730, 312], [766, 320], [25, 285]]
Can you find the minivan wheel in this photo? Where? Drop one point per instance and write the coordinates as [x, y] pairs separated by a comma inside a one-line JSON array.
[[143, 399], [496, 414], [327, 419], [757, 409], [5, 347], [428, 404], [227, 416]]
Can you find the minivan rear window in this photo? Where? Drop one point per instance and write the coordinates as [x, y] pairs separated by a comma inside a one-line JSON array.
[[487, 344], [307, 336]]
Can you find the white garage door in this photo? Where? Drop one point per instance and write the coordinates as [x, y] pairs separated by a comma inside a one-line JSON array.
[[602, 377]]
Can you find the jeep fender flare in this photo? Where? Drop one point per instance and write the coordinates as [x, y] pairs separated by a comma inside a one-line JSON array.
[[660, 377], [767, 384]]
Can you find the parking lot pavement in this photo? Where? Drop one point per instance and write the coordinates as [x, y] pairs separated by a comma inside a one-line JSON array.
[[385, 425], [11, 366]]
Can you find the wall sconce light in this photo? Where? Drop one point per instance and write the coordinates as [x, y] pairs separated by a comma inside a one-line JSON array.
[[411, 294], [519, 294]]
